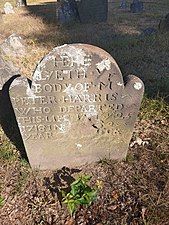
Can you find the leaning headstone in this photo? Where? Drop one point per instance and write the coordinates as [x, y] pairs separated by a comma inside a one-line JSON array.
[[7, 70], [8, 8], [137, 6], [67, 11], [13, 46], [164, 24], [93, 11], [77, 109]]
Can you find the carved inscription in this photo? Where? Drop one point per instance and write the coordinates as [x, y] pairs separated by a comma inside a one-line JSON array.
[[68, 89]]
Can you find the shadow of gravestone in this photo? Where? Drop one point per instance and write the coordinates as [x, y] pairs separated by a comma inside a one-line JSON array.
[[93, 11], [8, 120]]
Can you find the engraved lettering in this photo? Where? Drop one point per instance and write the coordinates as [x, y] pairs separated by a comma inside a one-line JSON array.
[[22, 111], [103, 85]]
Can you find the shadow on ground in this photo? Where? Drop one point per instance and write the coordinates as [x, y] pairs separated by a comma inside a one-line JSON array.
[[8, 120], [46, 11], [60, 182]]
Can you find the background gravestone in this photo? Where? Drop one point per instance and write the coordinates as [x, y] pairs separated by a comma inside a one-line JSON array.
[[77, 109], [13, 46], [137, 6], [164, 24], [123, 4], [93, 11], [67, 11], [8, 8]]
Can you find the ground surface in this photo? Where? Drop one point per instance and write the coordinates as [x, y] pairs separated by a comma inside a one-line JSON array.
[[135, 191]]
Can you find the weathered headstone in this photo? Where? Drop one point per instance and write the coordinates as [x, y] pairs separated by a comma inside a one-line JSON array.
[[7, 70], [13, 46], [67, 11], [8, 8], [164, 24], [93, 11], [137, 6], [77, 109]]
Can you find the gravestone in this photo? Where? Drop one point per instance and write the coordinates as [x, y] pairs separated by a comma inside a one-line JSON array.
[[21, 3], [77, 109], [148, 31], [13, 46], [7, 70], [123, 4], [8, 8], [137, 6], [164, 24], [67, 11], [93, 11]]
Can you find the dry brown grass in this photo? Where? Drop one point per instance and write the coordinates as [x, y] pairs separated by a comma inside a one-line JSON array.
[[41, 34], [23, 24]]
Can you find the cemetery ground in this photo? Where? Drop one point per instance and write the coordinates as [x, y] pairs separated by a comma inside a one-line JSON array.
[[135, 191]]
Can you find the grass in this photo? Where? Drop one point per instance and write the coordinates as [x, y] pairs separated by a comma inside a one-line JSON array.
[[6, 151], [13, 2], [1, 201], [20, 182], [154, 108]]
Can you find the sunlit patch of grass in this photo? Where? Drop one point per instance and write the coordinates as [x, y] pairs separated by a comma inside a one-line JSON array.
[[1, 201], [13, 2], [21, 181], [130, 158], [39, 1], [154, 108], [6, 151], [2, 2], [24, 162]]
